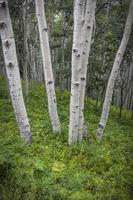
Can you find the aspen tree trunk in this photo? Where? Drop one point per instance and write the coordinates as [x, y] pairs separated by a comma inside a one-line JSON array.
[[114, 72], [47, 65], [62, 49], [33, 64], [12, 70], [130, 84], [39, 66], [38, 58], [76, 68], [86, 38], [25, 51]]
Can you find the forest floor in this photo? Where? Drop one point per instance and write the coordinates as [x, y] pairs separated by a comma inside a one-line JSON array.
[[49, 169]]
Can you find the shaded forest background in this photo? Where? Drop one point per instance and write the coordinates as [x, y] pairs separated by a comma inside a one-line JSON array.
[[109, 25]]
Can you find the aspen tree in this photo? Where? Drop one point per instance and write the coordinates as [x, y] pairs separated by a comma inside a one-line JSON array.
[[25, 51], [12, 70], [79, 6], [47, 65], [86, 39], [114, 72]]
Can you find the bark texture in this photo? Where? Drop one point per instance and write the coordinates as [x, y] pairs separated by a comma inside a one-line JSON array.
[[114, 72], [76, 68], [12, 70], [87, 41], [26, 50], [47, 65]]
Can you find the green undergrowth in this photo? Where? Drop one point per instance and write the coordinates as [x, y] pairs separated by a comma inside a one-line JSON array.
[[49, 169]]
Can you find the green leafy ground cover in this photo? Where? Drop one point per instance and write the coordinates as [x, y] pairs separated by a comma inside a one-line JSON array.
[[49, 169]]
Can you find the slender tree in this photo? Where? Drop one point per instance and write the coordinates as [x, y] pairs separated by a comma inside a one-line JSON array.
[[83, 28], [47, 65], [114, 72], [86, 39], [79, 6], [25, 48], [12, 70]]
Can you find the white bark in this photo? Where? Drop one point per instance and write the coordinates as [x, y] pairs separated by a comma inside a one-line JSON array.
[[114, 72], [38, 57], [33, 64], [47, 66], [86, 39], [26, 52], [76, 68], [12, 70]]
